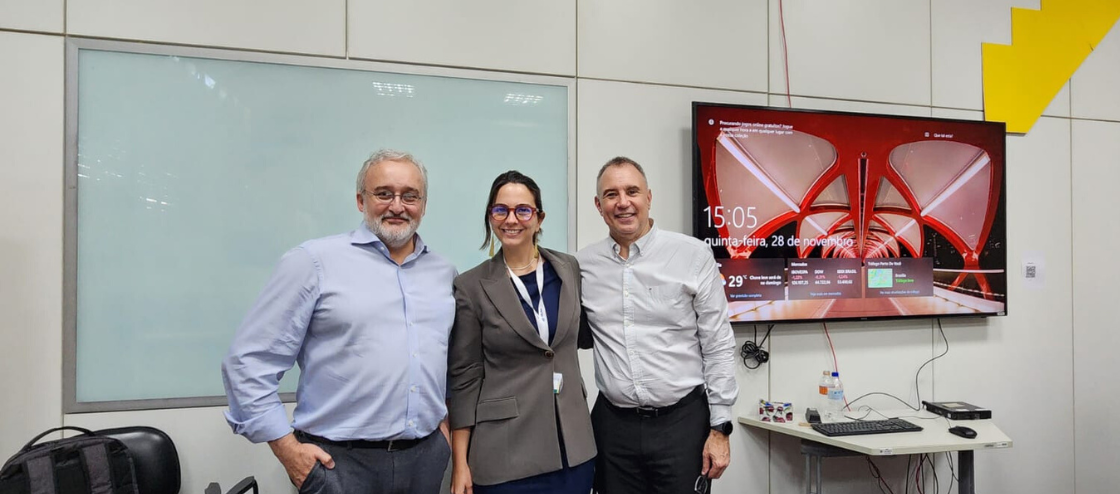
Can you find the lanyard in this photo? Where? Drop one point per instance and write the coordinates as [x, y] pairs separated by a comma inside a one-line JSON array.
[[542, 315]]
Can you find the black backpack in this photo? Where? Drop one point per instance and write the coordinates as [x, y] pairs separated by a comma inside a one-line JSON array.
[[84, 464]]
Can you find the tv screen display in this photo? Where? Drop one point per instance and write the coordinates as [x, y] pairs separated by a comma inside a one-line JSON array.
[[818, 215]]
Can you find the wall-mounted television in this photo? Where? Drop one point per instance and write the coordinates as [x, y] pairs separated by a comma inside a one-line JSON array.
[[816, 215]]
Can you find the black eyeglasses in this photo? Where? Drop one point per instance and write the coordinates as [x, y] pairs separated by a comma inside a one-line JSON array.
[[410, 198], [701, 486], [523, 212]]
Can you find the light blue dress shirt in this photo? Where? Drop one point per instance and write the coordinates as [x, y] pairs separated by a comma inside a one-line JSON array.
[[369, 335]]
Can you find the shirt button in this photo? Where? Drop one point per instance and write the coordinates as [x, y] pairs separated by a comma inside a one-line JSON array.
[[410, 423], [413, 389], [548, 354]]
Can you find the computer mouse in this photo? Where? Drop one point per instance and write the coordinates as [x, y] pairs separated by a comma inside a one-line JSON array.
[[965, 432]]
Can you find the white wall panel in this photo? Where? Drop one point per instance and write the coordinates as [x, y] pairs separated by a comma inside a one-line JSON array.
[[957, 114], [651, 125], [31, 135], [1095, 83], [208, 451], [1059, 106], [1021, 366], [1096, 156], [517, 35], [296, 26], [706, 43], [864, 50], [780, 101], [958, 29], [31, 15]]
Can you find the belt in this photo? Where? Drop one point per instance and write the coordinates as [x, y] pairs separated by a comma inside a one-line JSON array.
[[652, 412], [390, 445]]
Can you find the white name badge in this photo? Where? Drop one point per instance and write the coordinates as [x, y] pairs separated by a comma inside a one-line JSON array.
[[557, 382]]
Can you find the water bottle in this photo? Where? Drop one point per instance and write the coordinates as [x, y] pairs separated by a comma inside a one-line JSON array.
[[836, 399], [822, 392]]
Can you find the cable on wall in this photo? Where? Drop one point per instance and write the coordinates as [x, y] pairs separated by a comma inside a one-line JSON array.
[[785, 50], [752, 350], [918, 390]]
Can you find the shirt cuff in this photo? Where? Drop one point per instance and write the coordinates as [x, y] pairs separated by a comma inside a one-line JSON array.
[[268, 426], [720, 414]]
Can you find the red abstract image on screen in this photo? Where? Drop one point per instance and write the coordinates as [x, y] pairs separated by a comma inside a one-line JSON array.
[[825, 215]]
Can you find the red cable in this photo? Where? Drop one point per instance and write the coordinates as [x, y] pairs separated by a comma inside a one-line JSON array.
[[918, 473], [785, 50], [835, 366]]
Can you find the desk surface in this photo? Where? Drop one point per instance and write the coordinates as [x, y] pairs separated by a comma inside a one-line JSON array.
[[934, 438]]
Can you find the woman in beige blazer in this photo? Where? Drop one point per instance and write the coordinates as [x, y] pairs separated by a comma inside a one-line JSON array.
[[517, 404]]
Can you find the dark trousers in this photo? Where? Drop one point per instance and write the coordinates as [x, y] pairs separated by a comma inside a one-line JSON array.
[[641, 454], [418, 469]]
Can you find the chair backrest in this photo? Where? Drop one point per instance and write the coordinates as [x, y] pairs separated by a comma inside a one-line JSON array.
[[153, 456]]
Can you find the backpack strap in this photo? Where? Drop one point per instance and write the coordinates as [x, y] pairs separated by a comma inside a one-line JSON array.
[[31, 444], [97, 468], [40, 473]]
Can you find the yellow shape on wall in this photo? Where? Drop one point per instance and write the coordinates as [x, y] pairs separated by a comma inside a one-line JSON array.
[[1047, 46]]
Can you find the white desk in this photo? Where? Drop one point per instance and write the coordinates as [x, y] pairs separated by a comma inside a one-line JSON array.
[[934, 438]]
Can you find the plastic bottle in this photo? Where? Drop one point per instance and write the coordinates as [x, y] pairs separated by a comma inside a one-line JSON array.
[[822, 392], [836, 399]]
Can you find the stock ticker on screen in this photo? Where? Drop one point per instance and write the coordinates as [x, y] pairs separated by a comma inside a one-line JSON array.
[[827, 215]]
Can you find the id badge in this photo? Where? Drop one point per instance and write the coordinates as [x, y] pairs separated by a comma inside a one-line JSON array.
[[557, 382]]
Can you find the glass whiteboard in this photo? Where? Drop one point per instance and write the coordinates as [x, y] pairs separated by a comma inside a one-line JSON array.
[[194, 174]]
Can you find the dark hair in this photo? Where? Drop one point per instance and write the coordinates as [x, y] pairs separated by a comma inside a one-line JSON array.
[[619, 161], [510, 177]]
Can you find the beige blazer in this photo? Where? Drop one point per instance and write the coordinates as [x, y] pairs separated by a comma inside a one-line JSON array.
[[500, 376]]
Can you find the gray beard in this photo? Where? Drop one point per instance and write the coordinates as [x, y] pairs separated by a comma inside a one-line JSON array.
[[393, 238]]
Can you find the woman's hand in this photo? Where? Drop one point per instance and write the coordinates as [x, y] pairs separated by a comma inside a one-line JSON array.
[[461, 482], [461, 478]]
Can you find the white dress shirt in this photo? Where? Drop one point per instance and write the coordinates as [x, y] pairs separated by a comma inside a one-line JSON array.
[[659, 320]]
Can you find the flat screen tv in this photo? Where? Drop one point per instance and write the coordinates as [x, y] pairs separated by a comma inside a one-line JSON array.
[[816, 215]]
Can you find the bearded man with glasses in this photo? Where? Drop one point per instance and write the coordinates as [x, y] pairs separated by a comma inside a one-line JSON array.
[[366, 315]]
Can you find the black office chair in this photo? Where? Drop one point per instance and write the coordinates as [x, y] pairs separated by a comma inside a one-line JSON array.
[[153, 457], [246, 484], [156, 461]]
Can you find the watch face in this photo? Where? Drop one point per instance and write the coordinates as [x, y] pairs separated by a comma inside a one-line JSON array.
[[724, 428]]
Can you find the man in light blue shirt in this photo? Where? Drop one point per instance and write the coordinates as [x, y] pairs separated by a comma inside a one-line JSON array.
[[366, 315]]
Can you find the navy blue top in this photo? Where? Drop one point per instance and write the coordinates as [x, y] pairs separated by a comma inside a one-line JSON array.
[[551, 297]]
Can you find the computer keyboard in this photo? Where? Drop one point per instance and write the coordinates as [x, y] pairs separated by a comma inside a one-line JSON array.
[[865, 427]]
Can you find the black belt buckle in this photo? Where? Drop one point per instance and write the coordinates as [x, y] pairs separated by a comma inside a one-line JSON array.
[[648, 412], [390, 449]]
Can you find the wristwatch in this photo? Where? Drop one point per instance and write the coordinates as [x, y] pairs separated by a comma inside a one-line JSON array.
[[724, 428]]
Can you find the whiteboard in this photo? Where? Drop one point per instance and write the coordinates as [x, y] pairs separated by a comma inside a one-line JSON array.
[[191, 171]]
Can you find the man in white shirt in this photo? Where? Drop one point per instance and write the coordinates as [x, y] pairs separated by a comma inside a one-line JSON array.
[[664, 350]]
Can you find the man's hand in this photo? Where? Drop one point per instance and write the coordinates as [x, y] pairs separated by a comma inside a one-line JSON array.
[[717, 455], [445, 428], [299, 458]]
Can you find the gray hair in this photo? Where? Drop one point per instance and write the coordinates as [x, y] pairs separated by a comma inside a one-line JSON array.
[[619, 161], [383, 155]]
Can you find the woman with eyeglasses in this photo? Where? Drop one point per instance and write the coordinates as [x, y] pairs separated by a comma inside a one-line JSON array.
[[516, 400]]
